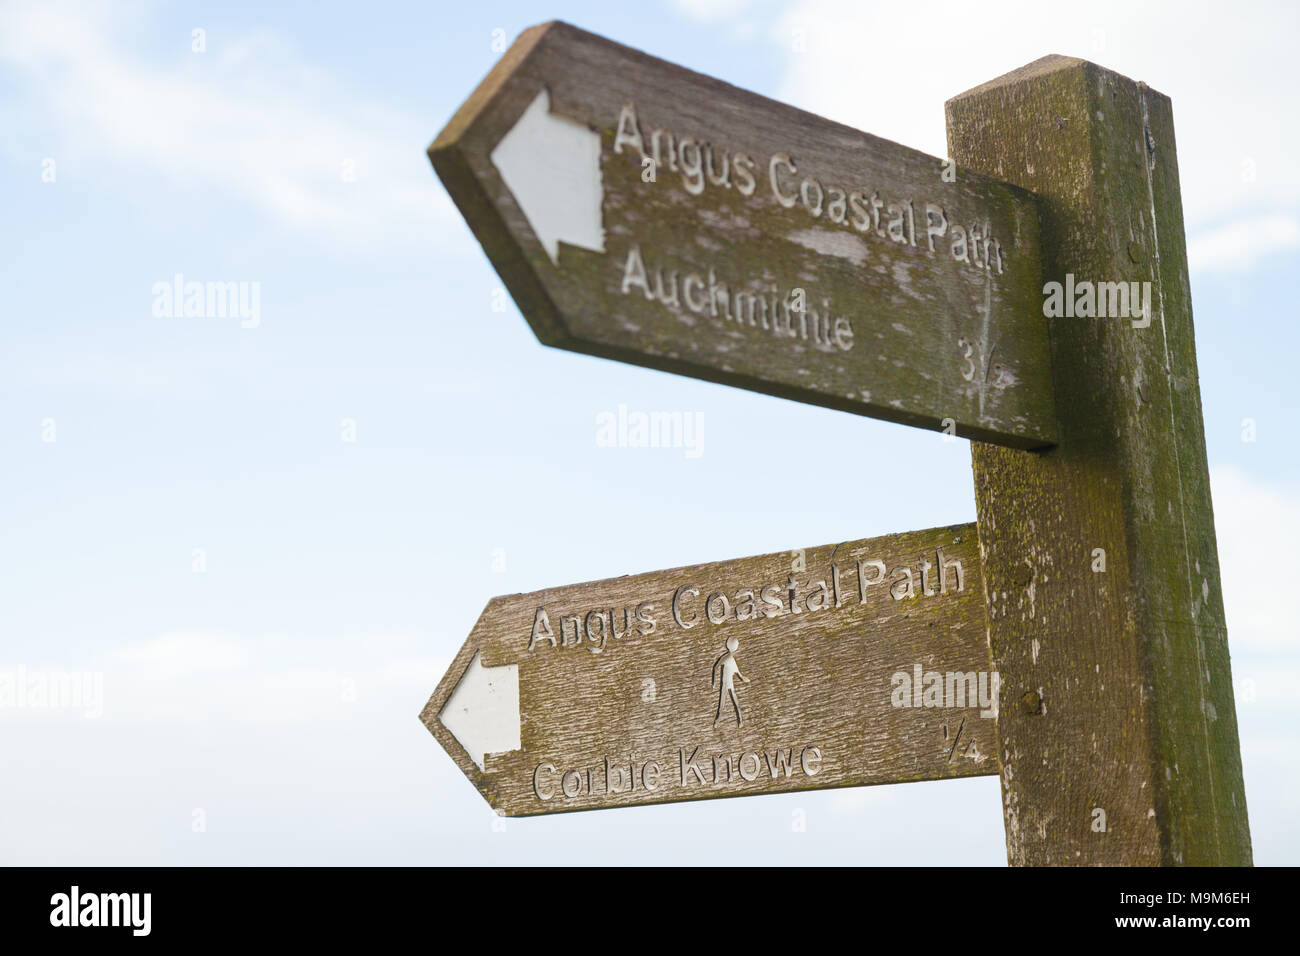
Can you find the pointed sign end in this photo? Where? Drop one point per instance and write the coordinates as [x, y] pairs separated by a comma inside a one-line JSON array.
[[552, 166], [482, 710]]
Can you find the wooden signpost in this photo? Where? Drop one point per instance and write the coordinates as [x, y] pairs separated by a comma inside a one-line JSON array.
[[854, 663], [1030, 294], [642, 212]]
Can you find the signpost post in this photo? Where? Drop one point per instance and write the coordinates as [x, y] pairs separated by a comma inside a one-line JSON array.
[[645, 213], [1119, 729]]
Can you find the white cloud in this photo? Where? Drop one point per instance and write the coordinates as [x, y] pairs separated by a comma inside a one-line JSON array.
[[1240, 244], [183, 653], [1257, 525], [857, 800], [249, 117], [710, 10], [887, 68], [1259, 680], [196, 675]]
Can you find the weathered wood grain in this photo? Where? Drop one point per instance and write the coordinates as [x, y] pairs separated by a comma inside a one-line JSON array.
[[1118, 732], [896, 325], [818, 700]]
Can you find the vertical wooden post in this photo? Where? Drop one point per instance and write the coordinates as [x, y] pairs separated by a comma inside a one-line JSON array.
[[1118, 730]]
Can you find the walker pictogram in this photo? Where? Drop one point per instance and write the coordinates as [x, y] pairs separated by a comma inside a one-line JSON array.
[[730, 671]]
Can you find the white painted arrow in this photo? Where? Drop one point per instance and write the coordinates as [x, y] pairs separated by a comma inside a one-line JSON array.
[[552, 165], [482, 713]]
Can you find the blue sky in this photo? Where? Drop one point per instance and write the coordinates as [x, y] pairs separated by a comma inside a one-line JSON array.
[[273, 695]]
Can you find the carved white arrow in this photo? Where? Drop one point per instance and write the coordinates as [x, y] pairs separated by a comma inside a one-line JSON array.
[[552, 166], [482, 713]]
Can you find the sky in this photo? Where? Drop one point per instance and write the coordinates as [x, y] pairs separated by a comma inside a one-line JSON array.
[[266, 537]]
